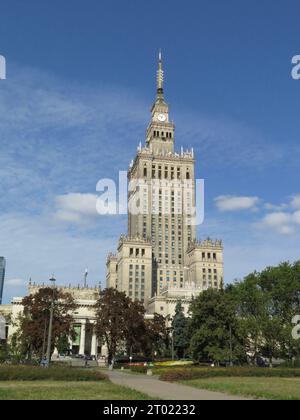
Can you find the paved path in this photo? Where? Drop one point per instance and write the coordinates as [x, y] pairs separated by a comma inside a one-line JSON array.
[[157, 389]]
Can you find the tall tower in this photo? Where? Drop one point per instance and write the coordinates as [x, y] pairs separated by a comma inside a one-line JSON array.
[[2, 276], [161, 250], [159, 177]]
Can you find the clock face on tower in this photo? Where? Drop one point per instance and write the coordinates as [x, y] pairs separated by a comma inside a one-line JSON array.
[[161, 117]]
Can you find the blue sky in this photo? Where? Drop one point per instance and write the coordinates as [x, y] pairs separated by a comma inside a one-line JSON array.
[[80, 83]]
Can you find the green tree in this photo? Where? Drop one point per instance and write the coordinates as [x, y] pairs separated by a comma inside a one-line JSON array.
[[180, 331], [215, 332], [281, 285], [63, 344], [156, 336], [267, 302], [251, 311], [135, 327]]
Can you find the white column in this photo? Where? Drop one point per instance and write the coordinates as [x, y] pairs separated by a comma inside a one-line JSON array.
[[94, 345], [82, 338]]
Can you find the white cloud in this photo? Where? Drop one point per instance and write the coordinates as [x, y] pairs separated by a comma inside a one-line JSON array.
[[283, 219], [75, 207], [295, 203], [279, 222], [276, 207], [234, 203], [296, 217]]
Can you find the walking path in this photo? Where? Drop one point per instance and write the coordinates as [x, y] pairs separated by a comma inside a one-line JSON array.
[[157, 389]]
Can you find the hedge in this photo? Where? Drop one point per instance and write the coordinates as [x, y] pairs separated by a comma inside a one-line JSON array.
[[174, 375], [32, 373]]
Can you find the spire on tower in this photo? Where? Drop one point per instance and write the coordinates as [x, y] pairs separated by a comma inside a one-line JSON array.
[[160, 78]]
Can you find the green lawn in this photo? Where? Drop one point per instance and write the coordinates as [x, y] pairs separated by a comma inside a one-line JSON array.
[[53, 390], [267, 388]]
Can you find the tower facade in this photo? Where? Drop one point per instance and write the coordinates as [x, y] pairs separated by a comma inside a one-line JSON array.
[[161, 215]]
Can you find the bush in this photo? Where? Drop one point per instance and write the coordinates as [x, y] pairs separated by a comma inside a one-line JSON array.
[[174, 375], [32, 373], [139, 369]]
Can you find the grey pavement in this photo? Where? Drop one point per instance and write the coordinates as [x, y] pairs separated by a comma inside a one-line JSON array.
[[157, 389]]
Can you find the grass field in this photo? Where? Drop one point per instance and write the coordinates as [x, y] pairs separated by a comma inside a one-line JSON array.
[[54, 390], [267, 388]]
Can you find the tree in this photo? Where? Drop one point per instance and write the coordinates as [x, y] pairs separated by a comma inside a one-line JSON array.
[[63, 344], [156, 337], [135, 327], [251, 311], [119, 322], [267, 302], [281, 285], [121, 325], [180, 331], [214, 329], [34, 321]]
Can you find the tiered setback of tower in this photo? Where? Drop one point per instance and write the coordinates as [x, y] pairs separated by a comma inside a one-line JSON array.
[[161, 253], [205, 264]]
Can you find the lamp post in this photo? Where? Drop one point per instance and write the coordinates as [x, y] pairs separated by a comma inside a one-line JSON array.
[[231, 346], [44, 340], [173, 350], [48, 357]]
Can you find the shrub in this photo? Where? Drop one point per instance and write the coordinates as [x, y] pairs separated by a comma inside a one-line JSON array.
[[139, 369], [34, 373], [174, 375]]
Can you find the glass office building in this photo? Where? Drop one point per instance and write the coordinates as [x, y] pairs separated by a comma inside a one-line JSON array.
[[2, 276]]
